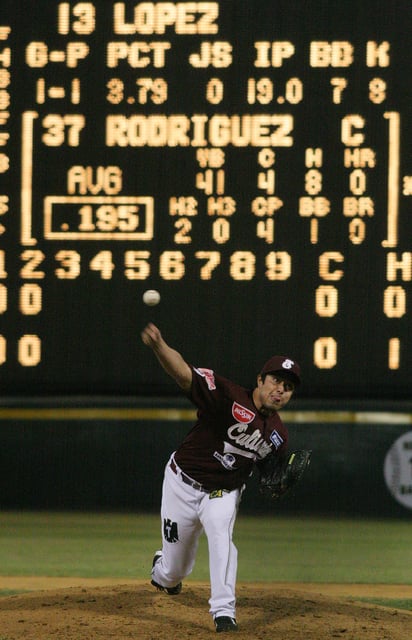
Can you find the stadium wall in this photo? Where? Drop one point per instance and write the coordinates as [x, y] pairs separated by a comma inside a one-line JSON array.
[[110, 455]]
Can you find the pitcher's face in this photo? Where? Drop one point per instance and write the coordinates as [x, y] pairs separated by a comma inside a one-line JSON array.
[[272, 393]]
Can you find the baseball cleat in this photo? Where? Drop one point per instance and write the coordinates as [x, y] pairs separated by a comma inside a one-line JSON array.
[[171, 591], [224, 623]]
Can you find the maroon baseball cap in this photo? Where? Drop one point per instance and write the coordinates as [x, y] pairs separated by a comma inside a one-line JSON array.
[[284, 365]]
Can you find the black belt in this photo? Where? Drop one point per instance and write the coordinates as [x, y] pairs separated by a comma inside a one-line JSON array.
[[185, 478]]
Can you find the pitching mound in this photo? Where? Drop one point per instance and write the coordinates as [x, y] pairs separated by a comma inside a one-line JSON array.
[[136, 611]]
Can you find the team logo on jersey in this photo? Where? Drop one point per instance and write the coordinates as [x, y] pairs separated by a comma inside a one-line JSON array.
[[227, 460], [254, 442], [276, 439], [241, 414], [209, 376]]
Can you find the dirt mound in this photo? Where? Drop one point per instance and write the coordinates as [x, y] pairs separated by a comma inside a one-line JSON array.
[[137, 611]]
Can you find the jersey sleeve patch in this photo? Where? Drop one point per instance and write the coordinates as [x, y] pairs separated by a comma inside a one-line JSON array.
[[209, 376]]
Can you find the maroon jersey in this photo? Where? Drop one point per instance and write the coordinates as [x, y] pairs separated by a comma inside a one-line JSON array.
[[230, 434]]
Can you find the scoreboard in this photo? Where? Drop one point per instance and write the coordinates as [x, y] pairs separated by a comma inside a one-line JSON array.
[[250, 160]]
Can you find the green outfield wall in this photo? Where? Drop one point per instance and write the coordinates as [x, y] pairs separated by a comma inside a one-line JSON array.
[[111, 455]]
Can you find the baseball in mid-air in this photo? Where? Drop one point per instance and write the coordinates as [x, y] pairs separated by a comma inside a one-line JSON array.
[[151, 297]]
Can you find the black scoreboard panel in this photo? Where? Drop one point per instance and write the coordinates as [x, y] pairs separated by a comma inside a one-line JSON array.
[[250, 160]]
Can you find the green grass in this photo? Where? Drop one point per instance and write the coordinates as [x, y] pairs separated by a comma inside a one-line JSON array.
[[278, 549], [326, 550], [77, 544], [393, 603]]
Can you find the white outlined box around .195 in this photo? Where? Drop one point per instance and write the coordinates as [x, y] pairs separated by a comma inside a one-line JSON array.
[[98, 217]]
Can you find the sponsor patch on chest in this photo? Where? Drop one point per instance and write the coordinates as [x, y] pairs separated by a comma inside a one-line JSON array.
[[276, 439], [241, 414]]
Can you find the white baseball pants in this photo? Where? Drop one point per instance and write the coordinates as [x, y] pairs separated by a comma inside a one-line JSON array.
[[186, 512]]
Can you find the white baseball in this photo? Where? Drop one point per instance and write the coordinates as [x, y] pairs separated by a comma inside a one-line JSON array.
[[151, 297]]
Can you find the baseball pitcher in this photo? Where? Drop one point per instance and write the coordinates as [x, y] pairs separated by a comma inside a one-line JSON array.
[[236, 430]]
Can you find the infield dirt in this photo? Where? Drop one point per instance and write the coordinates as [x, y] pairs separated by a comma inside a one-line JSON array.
[[78, 609]]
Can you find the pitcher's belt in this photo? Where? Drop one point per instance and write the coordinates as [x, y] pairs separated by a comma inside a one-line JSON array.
[[185, 478]]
